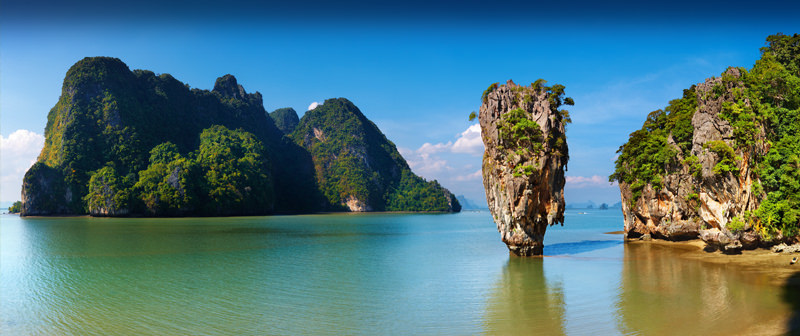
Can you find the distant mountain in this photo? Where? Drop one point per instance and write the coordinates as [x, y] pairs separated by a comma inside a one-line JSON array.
[[122, 142], [592, 205], [582, 205], [467, 204]]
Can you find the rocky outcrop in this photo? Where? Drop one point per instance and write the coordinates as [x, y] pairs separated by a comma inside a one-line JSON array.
[[110, 115], [358, 169], [45, 193], [285, 119], [700, 198], [523, 132], [100, 136]]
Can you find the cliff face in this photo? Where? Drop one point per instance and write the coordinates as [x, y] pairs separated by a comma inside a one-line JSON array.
[[721, 162], [44, 192], [523, 164], [358, 169], [693, 195]]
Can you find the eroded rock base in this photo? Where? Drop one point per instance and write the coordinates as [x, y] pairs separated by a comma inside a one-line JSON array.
[[526, 250]]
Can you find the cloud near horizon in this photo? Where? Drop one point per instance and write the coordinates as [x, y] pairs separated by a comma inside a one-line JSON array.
[[470, 141], [475, 176], [313, 106], [425, 161], [19, 152]]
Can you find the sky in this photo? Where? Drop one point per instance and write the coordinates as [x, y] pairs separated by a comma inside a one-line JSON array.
[[415, 68]]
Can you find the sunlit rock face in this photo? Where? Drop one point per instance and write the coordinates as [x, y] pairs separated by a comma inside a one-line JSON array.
[[695, 201], [523, 164]]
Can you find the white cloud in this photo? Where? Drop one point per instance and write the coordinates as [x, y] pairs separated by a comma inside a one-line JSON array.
[[18, 152], [426, 161], [427, 166], [313, 106], [470, 141], [428, 148], [470, 177], [589, 182]]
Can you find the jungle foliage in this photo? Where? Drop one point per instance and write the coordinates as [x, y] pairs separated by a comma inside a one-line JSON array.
[[764, 112], [121, 140], [353, 158]]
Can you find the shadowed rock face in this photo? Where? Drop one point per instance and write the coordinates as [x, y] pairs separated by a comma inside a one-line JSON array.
[[523, 164], [285, 119]]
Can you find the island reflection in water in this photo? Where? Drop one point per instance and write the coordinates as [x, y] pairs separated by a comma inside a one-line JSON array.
[[665, 294], [524, 300], [360, 274]]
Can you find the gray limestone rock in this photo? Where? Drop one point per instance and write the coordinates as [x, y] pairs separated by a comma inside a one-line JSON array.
[[690, 200], [523, 168]]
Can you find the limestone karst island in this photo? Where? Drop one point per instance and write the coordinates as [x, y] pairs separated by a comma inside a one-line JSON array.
[[122, 142], [721, 163], [524, 133]]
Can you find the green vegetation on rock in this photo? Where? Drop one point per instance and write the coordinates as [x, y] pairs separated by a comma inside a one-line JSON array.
[[644, 159], [236, 177], [107, 193], [15, 208], [517, 131], [124, 142], [286, 119], [762, 107], [415, 194], [728, 161], [170, 184], [522, 138], [356, 163]]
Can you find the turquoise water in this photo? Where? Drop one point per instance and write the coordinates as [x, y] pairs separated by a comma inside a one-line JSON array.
[[356, 274]]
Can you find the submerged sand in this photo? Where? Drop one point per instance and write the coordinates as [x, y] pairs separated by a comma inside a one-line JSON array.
[[775, 269], [777, 266]]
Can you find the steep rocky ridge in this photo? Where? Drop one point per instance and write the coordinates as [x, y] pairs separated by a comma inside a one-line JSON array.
[[122, 142], [108, 114], [359, 169], [524, 161]]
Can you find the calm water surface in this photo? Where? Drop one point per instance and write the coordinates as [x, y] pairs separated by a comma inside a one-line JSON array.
[[358, 274]]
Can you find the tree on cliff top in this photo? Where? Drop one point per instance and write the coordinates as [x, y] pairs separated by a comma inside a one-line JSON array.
[[765, 97]]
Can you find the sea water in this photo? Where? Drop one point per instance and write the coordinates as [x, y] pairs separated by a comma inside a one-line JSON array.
[[381, 273]]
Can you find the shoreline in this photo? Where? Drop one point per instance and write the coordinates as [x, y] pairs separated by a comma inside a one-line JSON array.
[[264, 215], [776, 266]]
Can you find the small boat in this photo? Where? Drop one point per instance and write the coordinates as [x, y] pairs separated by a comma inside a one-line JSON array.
[[794, 260]]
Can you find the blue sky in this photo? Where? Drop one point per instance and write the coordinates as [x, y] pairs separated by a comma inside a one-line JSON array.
[[416, 69]]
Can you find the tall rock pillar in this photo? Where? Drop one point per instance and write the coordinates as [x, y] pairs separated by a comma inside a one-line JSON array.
[[526, 154]]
